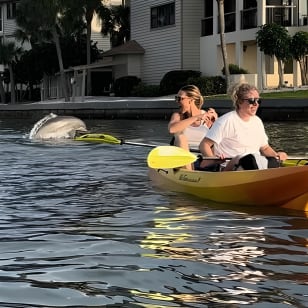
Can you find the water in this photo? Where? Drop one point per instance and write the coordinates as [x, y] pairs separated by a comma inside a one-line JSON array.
[[82, 226]]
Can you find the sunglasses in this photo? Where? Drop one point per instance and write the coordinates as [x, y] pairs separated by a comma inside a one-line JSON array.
[[179, 98], [252, 101]]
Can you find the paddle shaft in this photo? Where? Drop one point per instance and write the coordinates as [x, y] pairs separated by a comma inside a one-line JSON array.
[[105, 138]]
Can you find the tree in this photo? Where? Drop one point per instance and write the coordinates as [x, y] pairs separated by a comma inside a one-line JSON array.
[[299, 50], [116, 23], [85, 10], [274, 40], [43, 19], [8, 54], [221, 14]]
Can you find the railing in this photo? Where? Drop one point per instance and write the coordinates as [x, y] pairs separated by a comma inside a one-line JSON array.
[[284, 15]]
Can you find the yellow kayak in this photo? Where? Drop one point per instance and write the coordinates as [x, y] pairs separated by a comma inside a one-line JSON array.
[[280, 187]]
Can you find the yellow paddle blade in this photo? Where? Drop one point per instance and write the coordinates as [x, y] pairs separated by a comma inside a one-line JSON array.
[[99, 138], [290, 162], [169, 157]]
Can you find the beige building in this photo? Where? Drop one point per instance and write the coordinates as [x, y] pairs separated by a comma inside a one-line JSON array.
[[183, 34]]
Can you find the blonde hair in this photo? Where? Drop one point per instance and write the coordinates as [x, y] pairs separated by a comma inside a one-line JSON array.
[[238, 91], [193, 92]]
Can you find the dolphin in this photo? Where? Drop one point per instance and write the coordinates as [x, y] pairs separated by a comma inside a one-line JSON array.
[[53, 126]]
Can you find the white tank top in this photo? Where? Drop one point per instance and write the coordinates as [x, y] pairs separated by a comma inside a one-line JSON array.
[[195, 134]]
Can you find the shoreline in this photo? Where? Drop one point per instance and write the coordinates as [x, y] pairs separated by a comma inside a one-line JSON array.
[[105, 107]]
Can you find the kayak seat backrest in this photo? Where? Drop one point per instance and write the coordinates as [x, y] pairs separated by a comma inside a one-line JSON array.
[[248, 162]]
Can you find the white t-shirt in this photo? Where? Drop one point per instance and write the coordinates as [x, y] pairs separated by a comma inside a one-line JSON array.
[[232, 136]]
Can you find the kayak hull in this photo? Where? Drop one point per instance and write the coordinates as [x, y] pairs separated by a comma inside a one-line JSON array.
[[280, 187]]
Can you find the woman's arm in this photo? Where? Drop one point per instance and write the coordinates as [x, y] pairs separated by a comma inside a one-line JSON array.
[[177, 125]]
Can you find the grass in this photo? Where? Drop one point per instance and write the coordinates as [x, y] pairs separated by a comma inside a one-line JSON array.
[[274, 94], [286, 94]]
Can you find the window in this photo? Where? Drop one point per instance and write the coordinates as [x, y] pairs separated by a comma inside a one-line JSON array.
[[1, 28], [248, 4], [207, 22], [163, 15], [230, 7], [249, 14], [281, 12], [208, 8], [11, 10]]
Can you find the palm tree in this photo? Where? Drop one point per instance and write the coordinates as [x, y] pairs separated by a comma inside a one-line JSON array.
[[8, 53], [116, 23], [42, 19], [221, 14], [85, 9]]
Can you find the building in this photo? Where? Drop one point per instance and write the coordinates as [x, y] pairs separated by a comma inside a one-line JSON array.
[[184, 34]]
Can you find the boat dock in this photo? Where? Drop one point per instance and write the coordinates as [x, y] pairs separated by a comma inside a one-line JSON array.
[[105, 107]]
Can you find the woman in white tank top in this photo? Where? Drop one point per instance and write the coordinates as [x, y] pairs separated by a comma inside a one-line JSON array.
[[190, 124]]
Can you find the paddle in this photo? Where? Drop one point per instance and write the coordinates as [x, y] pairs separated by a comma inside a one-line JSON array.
[[174, 157], [169, 157], [104, 138], [179, 156]]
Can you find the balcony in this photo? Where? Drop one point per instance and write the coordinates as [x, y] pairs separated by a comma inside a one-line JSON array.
[[282, 15]]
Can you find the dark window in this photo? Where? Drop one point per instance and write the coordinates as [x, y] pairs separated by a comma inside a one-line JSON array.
[[11, 10], [229, 6], [1, 18], [248, 4], [163, 15], [207, 22], [207, 26], [230, 14], [208, 8], [249, 14]]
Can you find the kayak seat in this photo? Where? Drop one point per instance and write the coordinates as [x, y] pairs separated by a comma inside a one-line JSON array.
[[211, 168]]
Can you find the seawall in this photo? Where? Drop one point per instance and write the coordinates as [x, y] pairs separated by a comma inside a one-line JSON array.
[[146, 108]]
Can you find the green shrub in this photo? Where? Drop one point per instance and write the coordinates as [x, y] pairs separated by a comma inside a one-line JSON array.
[[210, 85], [142, 90], [174, 80], [235, 69], [123, 86]]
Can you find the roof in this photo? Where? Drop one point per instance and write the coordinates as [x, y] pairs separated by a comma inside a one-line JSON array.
[[131, 47]]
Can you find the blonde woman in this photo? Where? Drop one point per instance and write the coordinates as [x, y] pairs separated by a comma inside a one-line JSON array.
[[191, 123], [241, 132]]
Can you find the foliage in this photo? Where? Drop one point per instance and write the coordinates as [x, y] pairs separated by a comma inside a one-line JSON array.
[[209, 85], [42, 20], [235, 69], [82, 12], [299, 50], [274, 40], [142, 90], [116, 23], [42, 59], [174, 80], [123, 86], [9, 53]]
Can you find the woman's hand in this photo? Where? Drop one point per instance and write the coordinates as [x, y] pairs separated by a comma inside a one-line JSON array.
[[211, 117]]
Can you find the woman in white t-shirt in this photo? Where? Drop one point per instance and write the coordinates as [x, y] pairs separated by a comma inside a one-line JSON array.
[[239, 132], [190, 124]]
